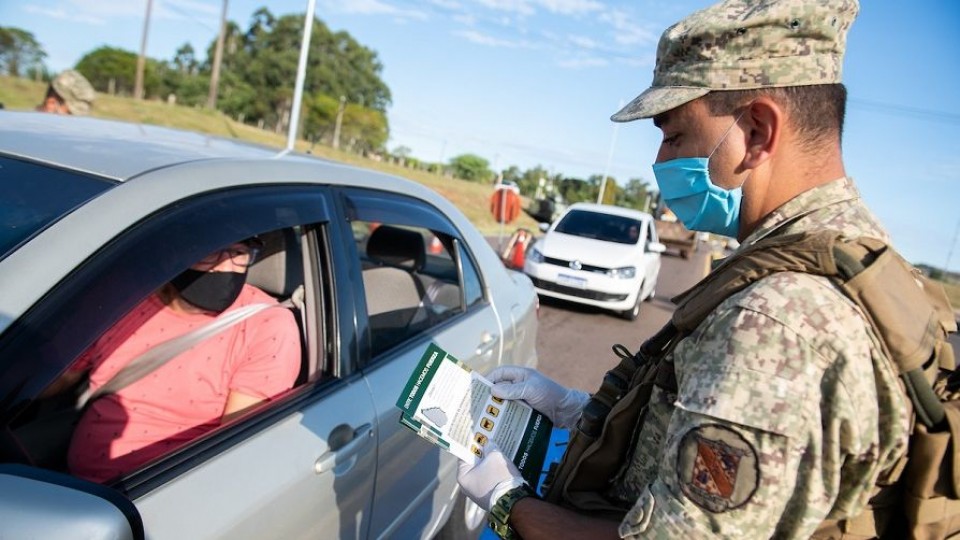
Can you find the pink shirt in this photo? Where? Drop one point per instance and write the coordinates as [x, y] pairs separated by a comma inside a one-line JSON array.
[[184, 398]]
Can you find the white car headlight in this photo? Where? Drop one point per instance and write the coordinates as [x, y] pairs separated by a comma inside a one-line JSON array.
[[627, 272], [534, 255]]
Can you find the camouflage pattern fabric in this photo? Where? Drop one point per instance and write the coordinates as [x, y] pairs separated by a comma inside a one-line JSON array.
[[746, 44], [786, 412], [75, 91]]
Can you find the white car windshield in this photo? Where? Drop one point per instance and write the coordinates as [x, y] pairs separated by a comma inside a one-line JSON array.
[[600, 226]]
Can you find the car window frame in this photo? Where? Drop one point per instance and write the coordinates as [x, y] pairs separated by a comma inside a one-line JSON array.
[[313, 206], [398, 209]]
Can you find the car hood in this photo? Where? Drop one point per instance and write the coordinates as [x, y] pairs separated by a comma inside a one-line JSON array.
[[588, 250]]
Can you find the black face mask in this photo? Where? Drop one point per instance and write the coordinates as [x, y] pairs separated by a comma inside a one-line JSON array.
[[210, 291]]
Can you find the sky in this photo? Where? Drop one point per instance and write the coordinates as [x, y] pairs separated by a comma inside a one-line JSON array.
[[534, 82]]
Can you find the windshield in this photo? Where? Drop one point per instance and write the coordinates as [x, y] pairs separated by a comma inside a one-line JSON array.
[[33, 196], [606, 227]]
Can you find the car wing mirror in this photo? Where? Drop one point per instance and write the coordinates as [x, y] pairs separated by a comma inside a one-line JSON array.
[[656, 247], [37, 503], [543, 227]]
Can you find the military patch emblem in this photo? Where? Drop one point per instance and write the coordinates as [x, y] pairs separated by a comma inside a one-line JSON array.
[[717, 468]]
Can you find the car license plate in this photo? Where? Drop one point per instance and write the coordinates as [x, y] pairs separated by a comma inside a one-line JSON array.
[[571, 281]]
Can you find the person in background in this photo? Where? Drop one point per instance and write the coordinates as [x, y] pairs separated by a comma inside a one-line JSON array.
[[68, 93]]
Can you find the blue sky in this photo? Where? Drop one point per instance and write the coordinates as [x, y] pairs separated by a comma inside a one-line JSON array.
[[528, 82]]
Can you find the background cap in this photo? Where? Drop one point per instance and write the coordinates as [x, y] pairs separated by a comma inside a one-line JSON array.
[[746, 44], [75, 91]]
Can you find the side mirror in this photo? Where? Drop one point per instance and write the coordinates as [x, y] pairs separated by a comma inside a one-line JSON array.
[[656, 247], [37, 503], [543, 227]]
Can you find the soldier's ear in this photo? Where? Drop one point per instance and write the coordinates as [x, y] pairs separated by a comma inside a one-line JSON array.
[[762, 123]]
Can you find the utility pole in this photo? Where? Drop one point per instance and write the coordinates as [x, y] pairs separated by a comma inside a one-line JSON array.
[[141, 60], [301, 75], [606, 169], [953, 243], [217, 58], [336, 126]]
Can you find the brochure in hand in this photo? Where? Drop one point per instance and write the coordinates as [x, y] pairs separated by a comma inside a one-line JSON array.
[[450, 405]]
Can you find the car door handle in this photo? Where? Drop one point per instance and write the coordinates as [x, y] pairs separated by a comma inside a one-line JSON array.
[[487, 342], [344, 444]]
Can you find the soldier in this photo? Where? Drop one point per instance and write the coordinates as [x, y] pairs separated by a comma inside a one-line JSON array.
[[784, 413], [69, 93]]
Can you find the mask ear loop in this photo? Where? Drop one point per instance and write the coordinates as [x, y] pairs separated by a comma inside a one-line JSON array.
[[724, 137]]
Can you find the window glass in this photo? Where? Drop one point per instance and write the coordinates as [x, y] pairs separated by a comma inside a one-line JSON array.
[[409, 277], [472, 287], [606, 227], [33, 196]]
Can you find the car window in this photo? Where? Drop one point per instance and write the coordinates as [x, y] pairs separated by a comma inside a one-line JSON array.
[[472, 286], [600, 226], [416, 273], [117, 307], [34, 196]]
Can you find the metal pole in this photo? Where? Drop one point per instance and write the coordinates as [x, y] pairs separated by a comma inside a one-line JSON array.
[[606, 169], [141, 60], [336, 126], [217, 58], [953, 243], [301, 74]]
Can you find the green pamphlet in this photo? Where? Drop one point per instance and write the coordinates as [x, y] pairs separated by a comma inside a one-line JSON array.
[[450, 405]]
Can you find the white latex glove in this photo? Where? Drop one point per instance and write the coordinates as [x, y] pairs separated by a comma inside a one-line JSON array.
[[489, 478], [561, 405]]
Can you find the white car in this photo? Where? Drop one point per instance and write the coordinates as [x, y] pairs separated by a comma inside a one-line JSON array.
[[96, 215], [600, 255]]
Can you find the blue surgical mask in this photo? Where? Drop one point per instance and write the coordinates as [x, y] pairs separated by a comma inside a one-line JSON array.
[[698, 203]]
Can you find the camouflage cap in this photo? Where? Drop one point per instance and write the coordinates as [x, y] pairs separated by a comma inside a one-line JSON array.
[[746, 44], [75, 91]]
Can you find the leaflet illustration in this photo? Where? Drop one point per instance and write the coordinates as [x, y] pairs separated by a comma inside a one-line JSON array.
[[447, 403]]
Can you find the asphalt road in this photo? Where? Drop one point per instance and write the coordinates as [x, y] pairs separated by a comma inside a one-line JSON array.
[[574, 341]]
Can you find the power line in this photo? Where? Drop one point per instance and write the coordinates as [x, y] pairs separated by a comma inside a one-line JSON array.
[[910, 112]]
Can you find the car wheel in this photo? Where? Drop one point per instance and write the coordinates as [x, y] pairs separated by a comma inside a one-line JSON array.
[[634, 312], [466, 522]]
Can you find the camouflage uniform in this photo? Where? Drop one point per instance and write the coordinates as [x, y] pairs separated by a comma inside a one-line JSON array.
[[787, 411]]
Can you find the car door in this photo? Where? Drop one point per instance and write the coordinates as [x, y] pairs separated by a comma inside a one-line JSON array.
[[299, 466], [416, 482]]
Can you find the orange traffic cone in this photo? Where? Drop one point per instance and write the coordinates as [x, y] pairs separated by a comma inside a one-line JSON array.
[[436, 246], [518, 249]]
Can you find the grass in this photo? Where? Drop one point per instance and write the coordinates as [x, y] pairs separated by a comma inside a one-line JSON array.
[[953, 293], [471, 198]]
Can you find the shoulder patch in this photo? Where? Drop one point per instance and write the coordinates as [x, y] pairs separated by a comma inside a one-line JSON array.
[[717, 469]]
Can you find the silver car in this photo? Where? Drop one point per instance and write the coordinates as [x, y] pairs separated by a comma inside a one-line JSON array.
[[96, 215]]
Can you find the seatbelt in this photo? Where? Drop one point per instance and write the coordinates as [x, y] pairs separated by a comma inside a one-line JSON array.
[[157, 356]]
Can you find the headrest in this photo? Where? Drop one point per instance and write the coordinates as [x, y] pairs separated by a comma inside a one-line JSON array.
[[397, 247], [278, 270]]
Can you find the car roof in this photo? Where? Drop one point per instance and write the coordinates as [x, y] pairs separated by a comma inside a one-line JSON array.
[[111, 149], [610, 209]]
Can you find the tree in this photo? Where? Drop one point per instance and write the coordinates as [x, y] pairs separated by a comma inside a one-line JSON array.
[[261, 63], [19, 51], [185, 60], [102, 65], [472, 168], [635, 194]]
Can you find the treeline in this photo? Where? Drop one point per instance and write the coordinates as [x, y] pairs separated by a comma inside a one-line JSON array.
[[257, 75]]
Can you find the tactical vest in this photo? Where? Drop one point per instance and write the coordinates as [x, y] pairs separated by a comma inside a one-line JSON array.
[[909, 313]]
